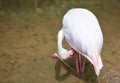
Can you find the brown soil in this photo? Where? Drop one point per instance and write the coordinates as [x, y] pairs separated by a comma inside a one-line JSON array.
[[27, 41]]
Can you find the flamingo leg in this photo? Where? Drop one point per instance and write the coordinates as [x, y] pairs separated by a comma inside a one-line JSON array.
[[77, 63], [82, 65], [80, 61]]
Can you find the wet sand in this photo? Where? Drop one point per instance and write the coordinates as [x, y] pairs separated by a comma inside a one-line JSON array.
[[27, 41]]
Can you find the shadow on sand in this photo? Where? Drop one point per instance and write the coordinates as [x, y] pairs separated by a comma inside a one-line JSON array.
[[89, 75]]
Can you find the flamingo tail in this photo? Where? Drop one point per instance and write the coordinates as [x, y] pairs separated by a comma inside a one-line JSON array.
[[97, 63]]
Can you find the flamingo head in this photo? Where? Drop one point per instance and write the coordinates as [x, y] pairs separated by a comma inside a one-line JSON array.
[[65, 54]]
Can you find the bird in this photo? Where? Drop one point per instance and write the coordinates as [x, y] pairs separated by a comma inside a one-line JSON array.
[[83, 34]]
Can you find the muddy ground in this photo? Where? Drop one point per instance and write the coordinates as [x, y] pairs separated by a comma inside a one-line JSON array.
[[28, 39]]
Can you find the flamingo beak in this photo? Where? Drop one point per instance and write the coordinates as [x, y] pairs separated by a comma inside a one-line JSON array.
[[55, 55]]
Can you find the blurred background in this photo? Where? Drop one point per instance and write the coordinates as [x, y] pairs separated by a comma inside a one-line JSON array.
[[28, 31]]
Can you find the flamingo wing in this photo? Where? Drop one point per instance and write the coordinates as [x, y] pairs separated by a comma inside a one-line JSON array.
[[83, 33]]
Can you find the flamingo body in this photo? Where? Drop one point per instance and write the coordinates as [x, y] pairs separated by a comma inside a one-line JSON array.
[[83, 33]]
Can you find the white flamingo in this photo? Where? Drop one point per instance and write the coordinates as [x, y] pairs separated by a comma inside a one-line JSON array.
[[83, 33]]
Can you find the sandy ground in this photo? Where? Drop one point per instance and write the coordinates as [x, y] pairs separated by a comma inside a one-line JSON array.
[[28, 40]]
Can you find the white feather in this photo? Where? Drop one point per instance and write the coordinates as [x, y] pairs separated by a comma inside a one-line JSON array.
[[83, 33]]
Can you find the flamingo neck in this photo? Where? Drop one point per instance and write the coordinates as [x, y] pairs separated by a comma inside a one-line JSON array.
[[60, 39], [60, 47]]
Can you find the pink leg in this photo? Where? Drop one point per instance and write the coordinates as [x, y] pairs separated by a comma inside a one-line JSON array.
[[82, 66], [77, 63]]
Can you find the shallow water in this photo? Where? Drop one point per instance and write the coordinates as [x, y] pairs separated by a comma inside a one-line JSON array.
[[28, 38]]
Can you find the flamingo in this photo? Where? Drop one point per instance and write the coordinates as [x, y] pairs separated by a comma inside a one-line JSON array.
[[82, 32]]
